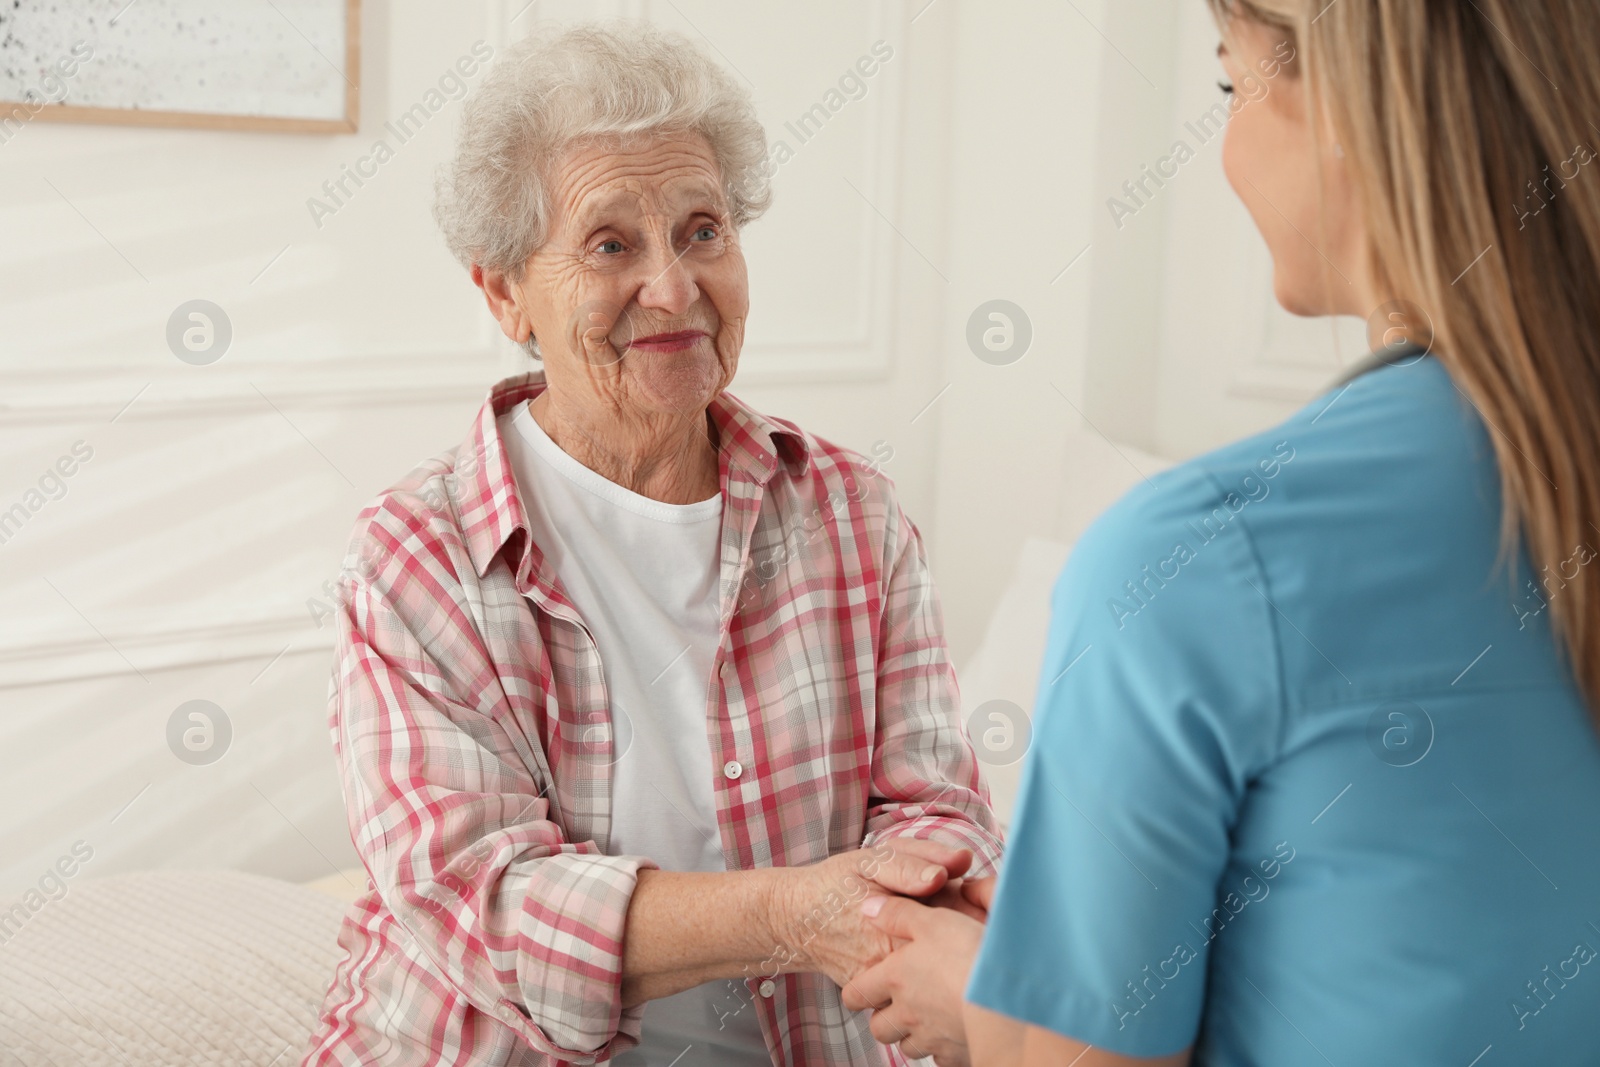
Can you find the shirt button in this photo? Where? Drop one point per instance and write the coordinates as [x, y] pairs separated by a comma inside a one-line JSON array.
[[768, 987], [732, 769]]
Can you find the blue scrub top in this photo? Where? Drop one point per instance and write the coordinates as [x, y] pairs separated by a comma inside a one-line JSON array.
[[1309, 780]]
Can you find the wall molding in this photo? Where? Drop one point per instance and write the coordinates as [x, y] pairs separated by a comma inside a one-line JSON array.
[[127, 394], [159, 642], [1294, 383]]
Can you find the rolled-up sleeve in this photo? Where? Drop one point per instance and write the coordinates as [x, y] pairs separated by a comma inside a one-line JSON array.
[[454, 826], [925, 775]]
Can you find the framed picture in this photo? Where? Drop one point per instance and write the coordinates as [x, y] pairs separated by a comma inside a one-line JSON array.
[[287, 65]]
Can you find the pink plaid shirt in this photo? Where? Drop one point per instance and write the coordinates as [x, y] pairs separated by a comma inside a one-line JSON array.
[[470, 719]]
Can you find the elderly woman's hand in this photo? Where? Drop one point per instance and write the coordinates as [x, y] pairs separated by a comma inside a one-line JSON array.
[[816, 915]]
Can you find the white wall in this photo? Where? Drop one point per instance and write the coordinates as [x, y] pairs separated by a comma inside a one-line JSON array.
[[187, 557]]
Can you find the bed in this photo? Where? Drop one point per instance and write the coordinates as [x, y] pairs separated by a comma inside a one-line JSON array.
[[180, 968]]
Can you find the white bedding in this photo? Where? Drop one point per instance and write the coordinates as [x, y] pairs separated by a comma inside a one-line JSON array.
[[169, 968]]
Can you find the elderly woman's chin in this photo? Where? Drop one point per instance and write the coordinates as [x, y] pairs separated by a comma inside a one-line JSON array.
[[679, 380]]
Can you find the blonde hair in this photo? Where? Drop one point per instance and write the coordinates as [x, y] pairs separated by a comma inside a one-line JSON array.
[[1450, 114], [591, 82]]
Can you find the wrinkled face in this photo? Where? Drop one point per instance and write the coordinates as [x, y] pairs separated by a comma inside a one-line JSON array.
[[638, 296], [1301, 198]]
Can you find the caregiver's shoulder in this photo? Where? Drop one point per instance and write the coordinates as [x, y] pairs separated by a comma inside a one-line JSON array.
[[1389, 474], [1401, 438], [1359, 537]]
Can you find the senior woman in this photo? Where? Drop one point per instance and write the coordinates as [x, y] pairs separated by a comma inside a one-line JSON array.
[[638, 691]]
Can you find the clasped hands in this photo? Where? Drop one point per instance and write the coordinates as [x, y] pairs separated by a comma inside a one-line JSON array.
[[897, 926]]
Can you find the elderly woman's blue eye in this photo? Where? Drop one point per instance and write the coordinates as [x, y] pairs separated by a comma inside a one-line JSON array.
[[706, 233], [611, 248]]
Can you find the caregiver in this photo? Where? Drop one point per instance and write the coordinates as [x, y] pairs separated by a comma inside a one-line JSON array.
[[1332, 793]]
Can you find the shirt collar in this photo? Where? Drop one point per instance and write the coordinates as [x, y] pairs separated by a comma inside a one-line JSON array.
[[750, 446]]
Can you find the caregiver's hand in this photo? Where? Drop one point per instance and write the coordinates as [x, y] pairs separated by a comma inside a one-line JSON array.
[[969, 896], [917, 989], [816, 916]]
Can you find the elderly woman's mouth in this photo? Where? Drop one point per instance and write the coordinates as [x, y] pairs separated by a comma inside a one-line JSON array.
[[676, 341]]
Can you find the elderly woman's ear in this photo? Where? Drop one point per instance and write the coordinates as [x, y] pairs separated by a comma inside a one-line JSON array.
[[500, 294]]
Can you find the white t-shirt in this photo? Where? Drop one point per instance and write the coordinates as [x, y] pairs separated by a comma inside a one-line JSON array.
[[643, 577]]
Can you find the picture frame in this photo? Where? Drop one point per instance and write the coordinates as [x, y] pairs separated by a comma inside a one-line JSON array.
[[285, 66]]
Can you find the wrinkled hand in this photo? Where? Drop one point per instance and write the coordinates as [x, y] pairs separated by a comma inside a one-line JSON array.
[[817, 919], [917, 989]]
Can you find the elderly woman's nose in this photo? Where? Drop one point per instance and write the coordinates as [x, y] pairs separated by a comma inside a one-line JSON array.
[[669, 285]]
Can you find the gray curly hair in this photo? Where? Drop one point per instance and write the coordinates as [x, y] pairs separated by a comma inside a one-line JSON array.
[[589, 82]]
